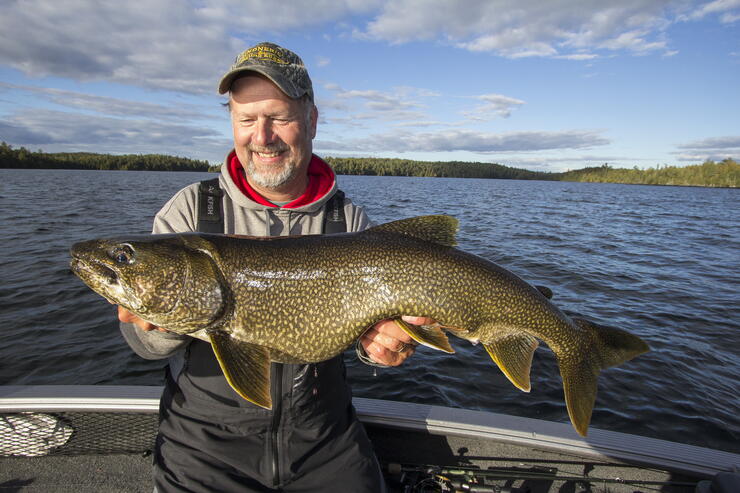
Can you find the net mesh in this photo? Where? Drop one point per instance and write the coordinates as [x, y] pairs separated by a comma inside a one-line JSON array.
[[76, 433]]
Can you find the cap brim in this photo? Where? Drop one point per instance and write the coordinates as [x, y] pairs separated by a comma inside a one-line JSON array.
[[291, 91]]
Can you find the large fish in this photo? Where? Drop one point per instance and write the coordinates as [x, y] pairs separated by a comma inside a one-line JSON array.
[[308, 298]]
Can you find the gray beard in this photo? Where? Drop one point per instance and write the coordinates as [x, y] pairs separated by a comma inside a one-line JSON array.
[[271, 180]]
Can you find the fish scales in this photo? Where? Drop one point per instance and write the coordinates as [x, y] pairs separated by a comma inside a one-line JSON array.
[[328, 293], [308, 298]]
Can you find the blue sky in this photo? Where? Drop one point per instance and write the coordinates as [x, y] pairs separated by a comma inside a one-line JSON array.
[[554, 85]]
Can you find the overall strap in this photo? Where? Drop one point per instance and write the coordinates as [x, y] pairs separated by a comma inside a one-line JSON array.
[[211, 219], [210, 209], [334, 220]]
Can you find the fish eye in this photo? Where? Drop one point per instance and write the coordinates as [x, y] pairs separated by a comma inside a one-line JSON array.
[[123, 254]]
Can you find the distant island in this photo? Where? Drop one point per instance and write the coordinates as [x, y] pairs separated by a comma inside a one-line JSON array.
[[725, 173], [23, 158]]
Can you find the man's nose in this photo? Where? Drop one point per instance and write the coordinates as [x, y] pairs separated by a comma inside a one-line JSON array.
[[263, 134]]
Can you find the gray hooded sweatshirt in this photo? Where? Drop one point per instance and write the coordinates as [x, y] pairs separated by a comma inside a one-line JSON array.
[[311, 438], [241, 216]]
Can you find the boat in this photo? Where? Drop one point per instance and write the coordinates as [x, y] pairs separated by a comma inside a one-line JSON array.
[[99, 438]]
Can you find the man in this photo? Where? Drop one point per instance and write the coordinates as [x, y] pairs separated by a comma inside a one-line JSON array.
[[210, 439]]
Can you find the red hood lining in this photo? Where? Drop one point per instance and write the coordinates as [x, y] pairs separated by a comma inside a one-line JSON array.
[[320, 181]]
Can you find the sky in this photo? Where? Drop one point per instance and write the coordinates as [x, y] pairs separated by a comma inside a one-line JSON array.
[[542, 85]]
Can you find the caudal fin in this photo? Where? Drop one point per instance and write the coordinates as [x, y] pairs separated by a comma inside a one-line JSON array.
[[580, 370]]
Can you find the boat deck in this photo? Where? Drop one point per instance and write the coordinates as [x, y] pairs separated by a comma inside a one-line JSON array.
[[415, 444], [515, 466], [81, 474]]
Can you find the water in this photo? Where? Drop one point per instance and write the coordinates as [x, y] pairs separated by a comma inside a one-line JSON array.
[[661, 262]]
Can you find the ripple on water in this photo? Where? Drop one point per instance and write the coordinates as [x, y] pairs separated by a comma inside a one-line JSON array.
[[658, 261]]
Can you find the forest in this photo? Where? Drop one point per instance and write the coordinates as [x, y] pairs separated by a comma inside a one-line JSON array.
[[725, 173], [23, 158], [454, 169]]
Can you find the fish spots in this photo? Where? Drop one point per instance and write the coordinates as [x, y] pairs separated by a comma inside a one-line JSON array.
[[258, 283], [307, 299], [295, 275]]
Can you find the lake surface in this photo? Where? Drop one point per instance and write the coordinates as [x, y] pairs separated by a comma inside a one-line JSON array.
[[661, 262]]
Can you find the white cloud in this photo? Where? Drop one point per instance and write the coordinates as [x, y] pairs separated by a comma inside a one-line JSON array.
[[467, 140], [634, 41], [400, 104], [376, 99], [571, 29], [57, 131], [728, 10], [727, 142], [496, 104], [267, 16], [428, 123], [700, 157], [548, 162], [163, 45], [166, 44], [712, 149], [183, 45], [110, 106], [578, 56]]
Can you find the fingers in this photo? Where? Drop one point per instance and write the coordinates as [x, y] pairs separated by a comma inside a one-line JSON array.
[[388, 344], [128, 317], [418, 320]]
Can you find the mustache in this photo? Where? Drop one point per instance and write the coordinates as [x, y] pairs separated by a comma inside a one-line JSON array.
[[269, 149]]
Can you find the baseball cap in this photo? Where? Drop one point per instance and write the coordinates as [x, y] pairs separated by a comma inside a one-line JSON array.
[[281, 66]]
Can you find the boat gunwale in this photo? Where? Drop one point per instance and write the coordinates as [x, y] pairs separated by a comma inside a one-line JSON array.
[[435, 420]]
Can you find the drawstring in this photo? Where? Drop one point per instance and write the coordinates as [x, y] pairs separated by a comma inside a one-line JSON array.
[[267, 222]]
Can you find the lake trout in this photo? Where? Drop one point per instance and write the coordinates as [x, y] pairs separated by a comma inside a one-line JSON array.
[[306, 299]]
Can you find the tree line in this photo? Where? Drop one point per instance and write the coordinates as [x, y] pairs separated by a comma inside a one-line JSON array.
[[23, 158], [725, 173], [439, 169]]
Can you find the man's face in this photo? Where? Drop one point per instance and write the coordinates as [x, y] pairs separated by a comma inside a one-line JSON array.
[[272, 132]]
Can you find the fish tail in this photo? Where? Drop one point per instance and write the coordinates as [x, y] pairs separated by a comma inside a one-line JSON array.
[[608, 347]]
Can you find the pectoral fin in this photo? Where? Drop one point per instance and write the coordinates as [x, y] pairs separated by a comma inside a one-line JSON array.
[[428, 335], [513, 354], [245, 366]]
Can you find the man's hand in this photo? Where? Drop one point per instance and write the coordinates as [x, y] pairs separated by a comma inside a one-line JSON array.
[[128, 317], [386, 343]]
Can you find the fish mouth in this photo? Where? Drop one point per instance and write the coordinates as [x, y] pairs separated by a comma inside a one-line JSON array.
[[98, 276]]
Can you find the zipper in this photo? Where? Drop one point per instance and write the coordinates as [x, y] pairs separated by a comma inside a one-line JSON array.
[[276, 415]]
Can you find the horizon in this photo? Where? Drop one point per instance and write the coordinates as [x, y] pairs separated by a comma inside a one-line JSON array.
[[645, 83], [553, 172]]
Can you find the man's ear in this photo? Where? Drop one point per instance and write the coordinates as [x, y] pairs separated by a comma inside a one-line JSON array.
[[314, 120]]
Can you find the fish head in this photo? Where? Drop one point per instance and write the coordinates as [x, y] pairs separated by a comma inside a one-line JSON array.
[[159, 278]]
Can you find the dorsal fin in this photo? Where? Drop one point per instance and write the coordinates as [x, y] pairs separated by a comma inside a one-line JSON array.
[[438, 229]]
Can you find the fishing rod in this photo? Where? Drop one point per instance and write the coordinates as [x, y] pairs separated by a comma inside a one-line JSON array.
[[427, 478]]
